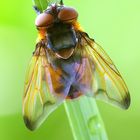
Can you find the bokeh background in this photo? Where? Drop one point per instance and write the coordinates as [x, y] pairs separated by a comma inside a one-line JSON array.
[[115, 24]]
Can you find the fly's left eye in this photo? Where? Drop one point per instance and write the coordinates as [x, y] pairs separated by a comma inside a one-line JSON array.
[[44, 20], [67, 14]]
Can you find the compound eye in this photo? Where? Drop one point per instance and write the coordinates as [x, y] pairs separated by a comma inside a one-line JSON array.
[[44, 20], [67, 14]]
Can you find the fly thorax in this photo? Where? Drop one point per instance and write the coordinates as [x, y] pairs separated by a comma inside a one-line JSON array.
[[61, 39]]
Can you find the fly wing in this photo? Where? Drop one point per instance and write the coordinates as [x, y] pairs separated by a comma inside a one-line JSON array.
[[107, 83], [41, 96]]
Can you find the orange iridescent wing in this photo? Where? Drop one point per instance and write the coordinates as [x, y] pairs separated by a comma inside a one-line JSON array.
[[107, 83], [41, 96]]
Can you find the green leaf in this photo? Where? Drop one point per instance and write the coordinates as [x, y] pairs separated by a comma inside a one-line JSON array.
[[41, 5], [85, 120]]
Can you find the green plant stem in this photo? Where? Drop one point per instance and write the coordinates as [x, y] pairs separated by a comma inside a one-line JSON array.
[[85, 120], [43, 4]]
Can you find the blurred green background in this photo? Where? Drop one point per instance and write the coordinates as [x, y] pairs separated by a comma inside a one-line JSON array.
[[115, 24]]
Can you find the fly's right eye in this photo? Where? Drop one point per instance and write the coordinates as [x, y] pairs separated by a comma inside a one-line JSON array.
[[44, 20], [67, 14]]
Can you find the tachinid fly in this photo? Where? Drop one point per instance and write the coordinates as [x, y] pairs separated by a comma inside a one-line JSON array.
[[66, 64]]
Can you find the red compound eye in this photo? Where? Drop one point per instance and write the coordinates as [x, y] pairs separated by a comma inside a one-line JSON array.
[[67, 13], [44, 20]]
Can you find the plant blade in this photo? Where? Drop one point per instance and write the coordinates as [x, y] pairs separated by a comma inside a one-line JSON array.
[[85, 120], [41, 5]]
